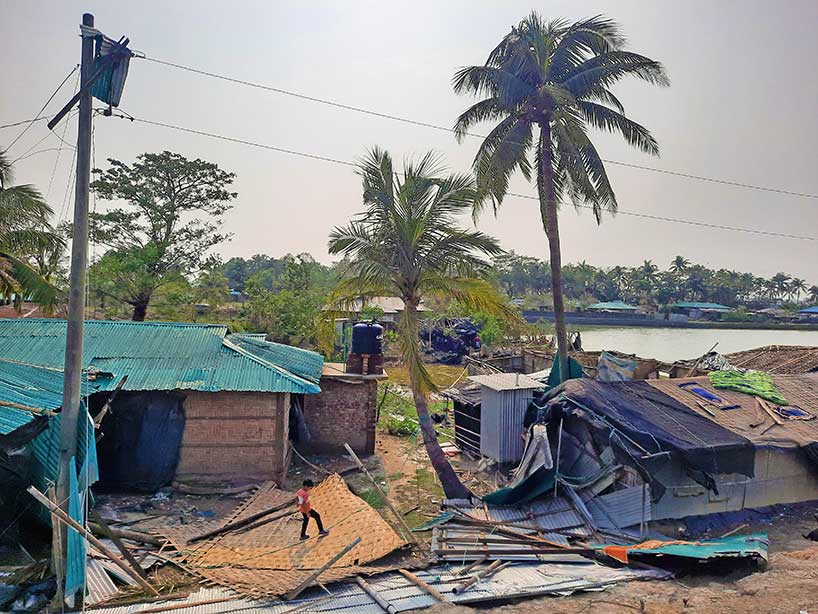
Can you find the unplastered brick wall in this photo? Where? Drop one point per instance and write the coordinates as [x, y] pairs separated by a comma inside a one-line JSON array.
[[234, 435], [343, 412]]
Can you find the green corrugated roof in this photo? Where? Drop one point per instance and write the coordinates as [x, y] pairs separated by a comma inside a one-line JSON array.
[[614, 306], [164, 356], [301, 362]]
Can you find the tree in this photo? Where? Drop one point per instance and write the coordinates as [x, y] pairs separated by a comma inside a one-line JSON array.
[[797, 286], [24, 232], [172, 220], [407, 244], [813, 294], [679, 265], [553, 76]]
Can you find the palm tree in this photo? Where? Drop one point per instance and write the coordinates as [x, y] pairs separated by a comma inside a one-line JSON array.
[[648, 270], [407, 244], [554, 76], [797, 286], [780, 283], [813, 294], [679, 265], [24, 230]]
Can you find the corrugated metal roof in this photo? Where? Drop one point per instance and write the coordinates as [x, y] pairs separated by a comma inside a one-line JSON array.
[[506, 381], [302, 362], [32, 386], [519, 580], [164, 355]]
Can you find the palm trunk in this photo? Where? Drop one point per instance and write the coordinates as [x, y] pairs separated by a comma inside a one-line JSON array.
[[548, 214], [452, 486]]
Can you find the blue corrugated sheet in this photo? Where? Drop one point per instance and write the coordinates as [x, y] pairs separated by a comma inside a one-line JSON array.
[[166, 356], [32, 386], [75, 555]]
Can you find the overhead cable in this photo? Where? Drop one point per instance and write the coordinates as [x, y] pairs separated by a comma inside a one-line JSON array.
[[406, 120], [353, 164]]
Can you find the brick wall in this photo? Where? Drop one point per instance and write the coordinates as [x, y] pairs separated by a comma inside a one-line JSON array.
[[235, 435], [342, 413]]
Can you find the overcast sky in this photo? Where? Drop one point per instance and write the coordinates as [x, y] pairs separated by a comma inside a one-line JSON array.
[[741, 106]]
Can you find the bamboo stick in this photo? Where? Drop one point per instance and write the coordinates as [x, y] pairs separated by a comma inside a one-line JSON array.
[[314, 575], [423, 585], [240, 523], [410, 536], [480, 575], [66, 519], [383, 603], [118, 543]]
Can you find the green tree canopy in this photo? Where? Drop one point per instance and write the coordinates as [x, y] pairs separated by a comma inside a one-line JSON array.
[[170, 220]]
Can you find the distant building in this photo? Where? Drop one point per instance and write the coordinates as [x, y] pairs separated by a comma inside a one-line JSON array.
[[700, 310], [615, 306], [810, 313]]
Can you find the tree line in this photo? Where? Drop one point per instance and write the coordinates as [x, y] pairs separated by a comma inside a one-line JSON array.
[[648, 284]]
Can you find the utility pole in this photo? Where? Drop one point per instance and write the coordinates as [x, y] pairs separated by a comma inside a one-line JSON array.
[[72, 385]]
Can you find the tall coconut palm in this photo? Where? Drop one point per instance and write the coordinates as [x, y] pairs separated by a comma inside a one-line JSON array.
[[797, 286], [553, 77], [24, 230], [813, 294], [679, 265], [407, 243]]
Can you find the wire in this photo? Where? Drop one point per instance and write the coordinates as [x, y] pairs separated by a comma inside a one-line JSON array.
[[413, 122], [352, 164], [47, 102], [26, 121]]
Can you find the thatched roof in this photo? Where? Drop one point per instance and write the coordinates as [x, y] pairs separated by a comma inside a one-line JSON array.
[[777, 359]]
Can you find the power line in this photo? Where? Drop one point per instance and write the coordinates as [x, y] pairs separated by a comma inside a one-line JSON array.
[[26, 121], [47, 102], [352, 164], [413, 122]]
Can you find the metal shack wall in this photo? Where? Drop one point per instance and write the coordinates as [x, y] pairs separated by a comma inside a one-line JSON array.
[[501, 423]]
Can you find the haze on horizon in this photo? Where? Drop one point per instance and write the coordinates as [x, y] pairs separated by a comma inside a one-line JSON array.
[[741, 107]]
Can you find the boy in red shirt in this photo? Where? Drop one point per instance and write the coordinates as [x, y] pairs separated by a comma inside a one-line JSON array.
[[303, 502]]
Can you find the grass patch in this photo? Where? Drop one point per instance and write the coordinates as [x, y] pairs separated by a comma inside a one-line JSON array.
[[395, 476], [442, 375], [373, 498], [426, 481]]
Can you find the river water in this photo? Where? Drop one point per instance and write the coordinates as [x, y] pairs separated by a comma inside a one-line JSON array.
[[669, 344]]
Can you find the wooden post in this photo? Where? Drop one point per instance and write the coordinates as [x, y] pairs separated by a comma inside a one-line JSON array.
[[376, 597], [105, 408], [72, 381], [65, 518], [423, 585], [309, 579], [106, 530], [56, 551], [410, 536]]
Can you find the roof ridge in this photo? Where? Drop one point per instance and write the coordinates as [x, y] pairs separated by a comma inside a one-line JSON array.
[[124, 322]]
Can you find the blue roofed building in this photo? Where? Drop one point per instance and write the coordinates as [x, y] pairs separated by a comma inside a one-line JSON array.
[[198, 401]]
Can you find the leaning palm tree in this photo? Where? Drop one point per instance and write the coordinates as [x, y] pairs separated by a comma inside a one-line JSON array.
[[24, 230], [406, 243], [553, 76]]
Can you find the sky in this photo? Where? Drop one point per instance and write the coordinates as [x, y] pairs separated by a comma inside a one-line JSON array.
[[741, 107]]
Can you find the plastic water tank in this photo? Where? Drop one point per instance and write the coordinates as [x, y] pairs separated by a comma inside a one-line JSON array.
[[367, 338]]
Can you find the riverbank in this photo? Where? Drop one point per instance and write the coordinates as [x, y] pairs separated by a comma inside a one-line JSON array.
[[613, 320]]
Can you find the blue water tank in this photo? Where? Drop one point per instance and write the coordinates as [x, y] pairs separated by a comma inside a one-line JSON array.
[[367, 338]]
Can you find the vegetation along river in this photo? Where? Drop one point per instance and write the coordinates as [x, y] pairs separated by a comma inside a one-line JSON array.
[[669, 344]]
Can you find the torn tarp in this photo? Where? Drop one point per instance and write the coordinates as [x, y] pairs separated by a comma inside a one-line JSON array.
[[752, 546], [646, 428]]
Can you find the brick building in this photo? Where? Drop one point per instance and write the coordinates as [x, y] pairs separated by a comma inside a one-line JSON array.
[[344, 412], [199, 403]]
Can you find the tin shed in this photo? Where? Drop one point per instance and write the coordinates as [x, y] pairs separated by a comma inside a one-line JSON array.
[[504, 398]]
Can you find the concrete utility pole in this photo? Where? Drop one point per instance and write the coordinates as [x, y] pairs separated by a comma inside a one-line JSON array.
[[72, 386]]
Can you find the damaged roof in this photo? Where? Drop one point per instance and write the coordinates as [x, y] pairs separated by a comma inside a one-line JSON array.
[[778, 359], [166, 355]]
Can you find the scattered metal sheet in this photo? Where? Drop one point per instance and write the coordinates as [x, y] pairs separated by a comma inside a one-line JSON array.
[[622, 508], [516, 581], [99, 584]]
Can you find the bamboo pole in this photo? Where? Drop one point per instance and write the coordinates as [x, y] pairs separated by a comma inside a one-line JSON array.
[[410, 536], [106, 530], [237, 524], [383, 603], [480, 575], [67, 520], [471, 566], [314, 575], [423, 585]]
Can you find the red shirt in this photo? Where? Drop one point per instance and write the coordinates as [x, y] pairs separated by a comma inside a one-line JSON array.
[[303, 501]]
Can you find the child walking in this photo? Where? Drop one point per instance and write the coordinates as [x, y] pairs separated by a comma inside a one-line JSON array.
[[303, 500]]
